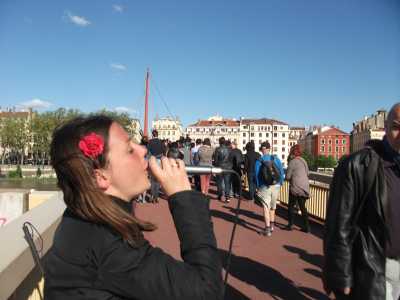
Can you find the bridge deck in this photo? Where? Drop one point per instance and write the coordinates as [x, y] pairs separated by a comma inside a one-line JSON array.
[[286, 265]]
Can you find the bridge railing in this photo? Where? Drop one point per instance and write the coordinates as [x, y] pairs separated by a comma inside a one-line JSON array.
[[316, 204]]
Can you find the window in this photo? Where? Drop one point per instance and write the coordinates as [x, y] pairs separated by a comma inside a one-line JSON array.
[[323, 141], [283, 156], [275, 149], [244, 134], [283, 142], [344, 149], [260, 134], [197, 129], [329, 149], [330, 142], [337, 142], [283, 135], [283, 149], [275, 142], [244, 142], [281, 128], [344, 141], [322, 148], [245, 127], [275, 127], [251, 127], [252, 134], [267, 134], [275, 134], [337, 149], [260, 141]]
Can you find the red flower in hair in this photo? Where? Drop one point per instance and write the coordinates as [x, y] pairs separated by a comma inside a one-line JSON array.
[[92, 145]]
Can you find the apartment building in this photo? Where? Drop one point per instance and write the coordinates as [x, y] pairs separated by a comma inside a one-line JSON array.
[[214, 128], [326, 141], [372, 127], [295, 134], [168, 128]]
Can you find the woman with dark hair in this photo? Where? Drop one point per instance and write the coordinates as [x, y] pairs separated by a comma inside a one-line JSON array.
[[299, 187], [99, 251], [205, 154]]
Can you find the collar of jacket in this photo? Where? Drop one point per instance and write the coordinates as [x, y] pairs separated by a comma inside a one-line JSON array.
[[125, 205]]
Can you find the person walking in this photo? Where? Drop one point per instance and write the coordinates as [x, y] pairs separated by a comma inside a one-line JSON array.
[[268, 188], [362, 228], [236, 160], [221, 160], [157, 149], [205, 154], [250, 159], [299, 187]]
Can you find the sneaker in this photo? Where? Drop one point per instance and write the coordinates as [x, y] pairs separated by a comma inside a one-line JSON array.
[[268, 231], [272, 227]]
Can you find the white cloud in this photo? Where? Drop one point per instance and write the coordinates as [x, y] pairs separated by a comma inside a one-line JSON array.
[[118, 8], [77, 20], [123, 109], [36, 103], [119, 67]]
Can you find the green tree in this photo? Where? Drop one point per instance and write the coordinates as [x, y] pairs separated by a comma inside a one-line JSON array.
[[309, 159]]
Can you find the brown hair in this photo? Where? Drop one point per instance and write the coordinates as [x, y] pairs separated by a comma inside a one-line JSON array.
[[295, 150], [75, 174]]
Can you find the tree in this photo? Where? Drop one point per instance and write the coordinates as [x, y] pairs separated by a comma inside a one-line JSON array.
[[309, 159]]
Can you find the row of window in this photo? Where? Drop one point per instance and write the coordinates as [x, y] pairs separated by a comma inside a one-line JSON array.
[[263, 128], [252, 134], [337, 149], [330, 141]]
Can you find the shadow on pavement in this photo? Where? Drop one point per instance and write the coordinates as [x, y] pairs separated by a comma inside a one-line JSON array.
[[314, 259], [231, 218], [266, 279]]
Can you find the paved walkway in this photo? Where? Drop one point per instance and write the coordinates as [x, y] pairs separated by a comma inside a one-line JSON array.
[[286, 265]]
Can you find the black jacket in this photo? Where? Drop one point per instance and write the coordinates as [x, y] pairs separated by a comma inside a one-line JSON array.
[[91, 261], [250, 159], [236, 160], [221, 157], [356, 232]]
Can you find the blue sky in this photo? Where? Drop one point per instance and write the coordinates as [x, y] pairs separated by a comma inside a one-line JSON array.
[[302, 62]]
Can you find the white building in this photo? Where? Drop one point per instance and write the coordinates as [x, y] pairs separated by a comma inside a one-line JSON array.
[[372, 127], [243, 131], [135, 130], [295, 134], [168, 128], [261, 130], [214, 128]]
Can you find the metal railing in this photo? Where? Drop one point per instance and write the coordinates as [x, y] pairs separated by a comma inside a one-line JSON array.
[[316, 204]]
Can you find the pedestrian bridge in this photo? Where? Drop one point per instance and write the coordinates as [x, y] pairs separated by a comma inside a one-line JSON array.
[[286, 265]]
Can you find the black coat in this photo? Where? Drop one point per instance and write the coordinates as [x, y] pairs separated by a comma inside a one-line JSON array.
[[356, 232], [250, 159], [91, 261], [236, 160]]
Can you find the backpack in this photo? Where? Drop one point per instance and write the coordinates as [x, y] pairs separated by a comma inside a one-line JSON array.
[[269, 172]]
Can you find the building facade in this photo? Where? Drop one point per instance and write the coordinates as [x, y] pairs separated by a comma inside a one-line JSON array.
[[372, 127], [326, 141], [243, 131], [168, 128], [214, 128], [295, 134]]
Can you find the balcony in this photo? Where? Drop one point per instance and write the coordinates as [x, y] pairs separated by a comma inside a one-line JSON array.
[[20, 279]]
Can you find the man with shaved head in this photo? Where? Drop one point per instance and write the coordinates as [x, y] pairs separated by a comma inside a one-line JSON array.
[[362, 228]]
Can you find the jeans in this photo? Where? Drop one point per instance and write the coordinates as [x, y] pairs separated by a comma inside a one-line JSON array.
[[251, 179], [225, 180], [302, 204]]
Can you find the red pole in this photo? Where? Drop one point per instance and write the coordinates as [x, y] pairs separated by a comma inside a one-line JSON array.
[[146, 105]]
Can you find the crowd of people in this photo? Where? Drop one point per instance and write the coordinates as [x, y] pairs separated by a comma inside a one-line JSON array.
[[248, 166]]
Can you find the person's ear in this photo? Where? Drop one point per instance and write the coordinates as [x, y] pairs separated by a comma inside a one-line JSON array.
[[102, 179]]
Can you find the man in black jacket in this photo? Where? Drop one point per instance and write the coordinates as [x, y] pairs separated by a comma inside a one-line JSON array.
[[221, 160], [156, 148], [362, 237], [236, 159]]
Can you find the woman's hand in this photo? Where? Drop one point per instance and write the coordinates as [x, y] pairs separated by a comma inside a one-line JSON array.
[[171, 174]]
